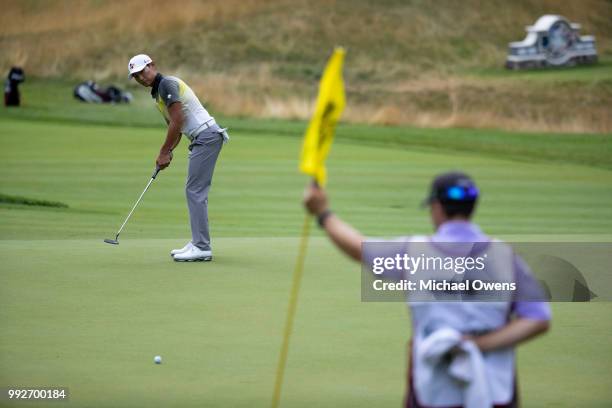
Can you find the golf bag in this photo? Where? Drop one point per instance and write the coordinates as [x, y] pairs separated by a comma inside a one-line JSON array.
[[90, 91], [11, 87]]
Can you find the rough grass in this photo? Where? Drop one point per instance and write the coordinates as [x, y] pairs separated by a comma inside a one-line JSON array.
[[407, 63], [45, 100]]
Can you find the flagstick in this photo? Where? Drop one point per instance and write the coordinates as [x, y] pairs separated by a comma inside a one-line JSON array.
[[295, 289]]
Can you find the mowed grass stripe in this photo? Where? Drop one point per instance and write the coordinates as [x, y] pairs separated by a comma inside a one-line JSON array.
[[257, 189]]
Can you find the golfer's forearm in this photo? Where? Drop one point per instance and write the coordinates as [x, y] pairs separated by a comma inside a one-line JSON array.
[[173, 137], [346, 238], [513, 333], [178, 140]]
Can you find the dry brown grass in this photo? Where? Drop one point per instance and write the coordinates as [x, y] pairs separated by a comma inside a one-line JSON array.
[[76, 38], [257, 58], [453, 102], [128, 17]]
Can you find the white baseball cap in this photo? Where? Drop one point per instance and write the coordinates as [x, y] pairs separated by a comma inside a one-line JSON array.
[[138, 63]]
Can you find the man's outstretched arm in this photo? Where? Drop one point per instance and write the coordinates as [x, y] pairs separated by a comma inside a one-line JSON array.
[[346, 238]]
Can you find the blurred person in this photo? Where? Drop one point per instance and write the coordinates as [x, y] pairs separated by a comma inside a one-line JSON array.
[[185, 115], [12, 96], [491, 329]]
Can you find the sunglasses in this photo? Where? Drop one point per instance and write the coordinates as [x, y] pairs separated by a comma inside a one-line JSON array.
[[458, 193]]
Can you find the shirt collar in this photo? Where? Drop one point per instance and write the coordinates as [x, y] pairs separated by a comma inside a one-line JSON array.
[[458, 230], [155, 86]]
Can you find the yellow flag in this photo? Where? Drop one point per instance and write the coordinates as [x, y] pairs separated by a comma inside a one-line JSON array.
[[320, 132]]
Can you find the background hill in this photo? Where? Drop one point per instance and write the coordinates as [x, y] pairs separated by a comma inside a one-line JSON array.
[[408, 62]]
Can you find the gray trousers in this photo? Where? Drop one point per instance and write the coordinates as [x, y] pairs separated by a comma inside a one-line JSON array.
[[204, 151]]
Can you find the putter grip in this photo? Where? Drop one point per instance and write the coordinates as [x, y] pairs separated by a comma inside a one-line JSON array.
[[157, 169]]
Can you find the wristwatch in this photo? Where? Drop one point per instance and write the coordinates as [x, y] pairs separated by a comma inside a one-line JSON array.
[[323, 217]]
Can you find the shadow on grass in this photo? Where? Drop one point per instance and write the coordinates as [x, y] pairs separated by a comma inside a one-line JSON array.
[[17, 200]]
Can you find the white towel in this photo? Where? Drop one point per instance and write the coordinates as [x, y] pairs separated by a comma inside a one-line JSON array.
[[223, 132], [466, 366]]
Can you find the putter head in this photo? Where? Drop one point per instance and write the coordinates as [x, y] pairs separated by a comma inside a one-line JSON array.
[[111, 241]]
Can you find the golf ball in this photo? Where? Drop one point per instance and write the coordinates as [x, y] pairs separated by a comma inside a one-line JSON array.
[[157, 359]]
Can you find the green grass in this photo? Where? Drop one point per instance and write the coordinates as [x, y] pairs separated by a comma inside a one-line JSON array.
[[78, 313]]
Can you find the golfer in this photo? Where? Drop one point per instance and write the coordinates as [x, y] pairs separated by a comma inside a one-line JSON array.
[[184, 114], [483, 334]]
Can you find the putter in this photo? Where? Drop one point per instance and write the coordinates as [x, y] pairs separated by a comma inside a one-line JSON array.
[[116, 240]]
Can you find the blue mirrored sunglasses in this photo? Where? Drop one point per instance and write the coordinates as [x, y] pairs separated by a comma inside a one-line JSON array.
[[458, 193]]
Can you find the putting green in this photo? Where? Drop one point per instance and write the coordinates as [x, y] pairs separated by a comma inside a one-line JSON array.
[[79, 313]]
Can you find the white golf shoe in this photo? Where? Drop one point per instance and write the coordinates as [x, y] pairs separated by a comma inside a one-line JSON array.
[[186, 248], [193, 254]]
